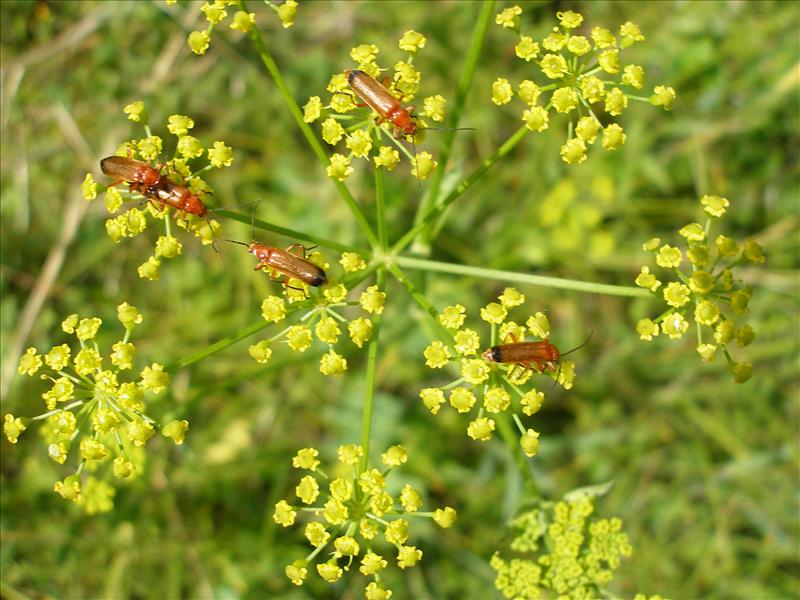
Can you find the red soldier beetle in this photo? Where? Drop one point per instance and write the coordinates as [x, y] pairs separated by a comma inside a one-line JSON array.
[[543, 354], [151, 184], [290, 265]]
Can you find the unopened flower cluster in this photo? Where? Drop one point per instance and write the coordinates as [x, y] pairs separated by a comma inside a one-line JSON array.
[[215, 13], [499, 386], [354, 523], [321, 318], [580, 75], [134, 220], [92, 411], [365, 138], [560, 553], [706, 289]]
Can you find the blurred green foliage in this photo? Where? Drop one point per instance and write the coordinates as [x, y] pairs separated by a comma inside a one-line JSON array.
[[705, 472]]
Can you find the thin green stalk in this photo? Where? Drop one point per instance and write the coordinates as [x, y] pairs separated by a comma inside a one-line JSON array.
[[290, 233], [372, 361], [308, 133], [440, 207], [464, 84], [420, 299], [380, 208], [511, 440], [217, 346], [422, 264]]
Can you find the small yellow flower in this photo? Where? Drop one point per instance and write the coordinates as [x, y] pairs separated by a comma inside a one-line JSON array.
[[89, 187], [436, 355], [30, 362], [168, 246], [58, 357], [433, 398], [481, 429], [371, 563], [69, 489], [633, 75], [714, 205], [555, 40], [329, 571], [87, 361], [297, 571], [578, 45], [273, 309], [394, 456], [412, 41], [87, 328], [360, 331], [647, 280], [388, 158], [176, 431], [553, 66], [630, 33], [453, 316], [349, 454], [587, 129], [122, 355], [128, 315], [340, 167], [527, 49], [220, 155], [423, 165], [496, 400], [613, 137], [573, 151], [494, 313], [327, 330], [134, 110], [154, 378], [663, 95], [332, 364], [646, 329], [501, 91], [530, 442], [536, 118], [462, 399], [531, 402], [189, 147], [261, 352], [112, 200], [466, 342], [539, 325], [511, 297], [592, 88], [307, 490], [149, 269], [609, 61], [373, 591], [564, 99], [676, 294], [509, 18], [243, 21], [306, 458], [669, 257], [570, 19], [474, 371], [312, 109], [706, 313], [12, 427], [616, 101], [284, 514], [332, 131], [372, 300], [674, 325], [434, 107], [528, 92], [287, 13], [603, 38]]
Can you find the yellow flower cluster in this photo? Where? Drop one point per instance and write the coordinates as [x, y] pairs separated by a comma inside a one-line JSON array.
[[489, 374], [370, 137], [215, 13], [322, 317], [581, 74], [354, 517], [708, 292], [135, 219], [91, 411]]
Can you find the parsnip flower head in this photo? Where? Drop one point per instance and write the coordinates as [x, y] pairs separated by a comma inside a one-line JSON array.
[[707, 291], [114, 423], [583, 73]]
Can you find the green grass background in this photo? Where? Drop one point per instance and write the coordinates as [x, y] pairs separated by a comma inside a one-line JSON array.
[[705, 472]]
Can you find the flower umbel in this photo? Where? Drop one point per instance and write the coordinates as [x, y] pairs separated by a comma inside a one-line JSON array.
[[349, 515], [582, 76], [707, 291], [93, 411]]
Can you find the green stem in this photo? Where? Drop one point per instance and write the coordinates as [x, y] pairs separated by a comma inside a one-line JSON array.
[[380, 208], [511, 440], [464, 84], [218, 346], [308, 133], [422, 264], [421, 300], [290, 233], [372, 361], [440, 207]]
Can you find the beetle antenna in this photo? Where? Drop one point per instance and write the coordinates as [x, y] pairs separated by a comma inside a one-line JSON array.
[[448, 128], [579, 347], [234, 242]]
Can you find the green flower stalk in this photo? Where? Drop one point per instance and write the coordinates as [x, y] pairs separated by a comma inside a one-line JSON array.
[[707, 292], [92, 412], [557, 551], [354, 519], [500, 387], [320, 315], [581, 76], [363, 136]]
